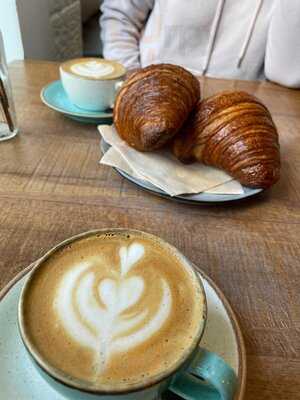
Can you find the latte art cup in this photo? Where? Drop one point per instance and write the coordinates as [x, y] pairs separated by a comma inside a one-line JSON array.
[[92, 83], [126, 291]]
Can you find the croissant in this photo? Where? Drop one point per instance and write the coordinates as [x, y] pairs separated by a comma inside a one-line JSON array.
[[235, 132], [153, 104]]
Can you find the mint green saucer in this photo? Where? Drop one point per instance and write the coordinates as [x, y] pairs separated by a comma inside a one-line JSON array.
[[55, 97], [19, 380]]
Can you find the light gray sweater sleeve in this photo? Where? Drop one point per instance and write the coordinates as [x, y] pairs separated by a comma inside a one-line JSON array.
[[282, 61], [121, 24]]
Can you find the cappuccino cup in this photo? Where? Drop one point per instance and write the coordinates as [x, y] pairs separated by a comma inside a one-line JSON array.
[[92, 83], [119, 313]]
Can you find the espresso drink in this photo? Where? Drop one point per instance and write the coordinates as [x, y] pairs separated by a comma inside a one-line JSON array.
[[94, 68], [114, 309]]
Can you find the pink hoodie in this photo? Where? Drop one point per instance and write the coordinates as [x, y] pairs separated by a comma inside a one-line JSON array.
[[249, 39]]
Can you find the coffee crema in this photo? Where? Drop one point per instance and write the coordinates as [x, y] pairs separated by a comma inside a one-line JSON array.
[[94, 68], [113, 310]]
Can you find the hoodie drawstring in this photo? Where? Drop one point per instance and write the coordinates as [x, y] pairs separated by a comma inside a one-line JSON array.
[[214, 29], [249, 33], [213, 34]]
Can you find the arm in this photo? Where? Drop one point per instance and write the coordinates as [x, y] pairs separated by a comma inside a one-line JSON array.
[[282, 61], [121, 23]]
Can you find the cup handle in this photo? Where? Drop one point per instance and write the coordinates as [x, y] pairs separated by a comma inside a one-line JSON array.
[[118, 86], [209, 377]]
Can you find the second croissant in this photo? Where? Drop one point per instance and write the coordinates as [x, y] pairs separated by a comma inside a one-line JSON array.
[[235, 132]]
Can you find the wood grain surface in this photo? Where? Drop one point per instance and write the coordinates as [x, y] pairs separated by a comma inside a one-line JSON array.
[[52, 187]]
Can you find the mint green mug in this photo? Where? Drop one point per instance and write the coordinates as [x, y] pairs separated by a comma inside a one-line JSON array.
[[200, 374], [208, 377]]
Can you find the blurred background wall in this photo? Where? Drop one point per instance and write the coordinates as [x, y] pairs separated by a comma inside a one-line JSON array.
[[10, 28], [50, 29]]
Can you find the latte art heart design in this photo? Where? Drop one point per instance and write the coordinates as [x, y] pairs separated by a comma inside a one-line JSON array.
[[118, 298], [129, 256], [107, 323], [92, 69]]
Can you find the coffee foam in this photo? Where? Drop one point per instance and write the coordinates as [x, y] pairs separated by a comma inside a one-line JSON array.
[[93, 69], [100, 325], [123, 306]]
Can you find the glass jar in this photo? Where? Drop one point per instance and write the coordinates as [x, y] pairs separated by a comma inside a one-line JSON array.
[[8, 121]]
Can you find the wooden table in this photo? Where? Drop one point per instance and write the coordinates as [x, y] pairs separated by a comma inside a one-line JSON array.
[[52, 187]]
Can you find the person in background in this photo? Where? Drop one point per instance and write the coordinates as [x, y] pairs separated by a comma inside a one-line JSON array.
[[249, 39]]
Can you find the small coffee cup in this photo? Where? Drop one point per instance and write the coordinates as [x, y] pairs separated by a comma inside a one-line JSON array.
[[92, 83], [134, 299]]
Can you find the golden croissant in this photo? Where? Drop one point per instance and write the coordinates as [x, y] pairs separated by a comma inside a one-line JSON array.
[[153, 104], [235, 132]]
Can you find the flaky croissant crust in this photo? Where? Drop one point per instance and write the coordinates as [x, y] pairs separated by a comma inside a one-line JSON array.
[[233, 131], [153, 104]]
